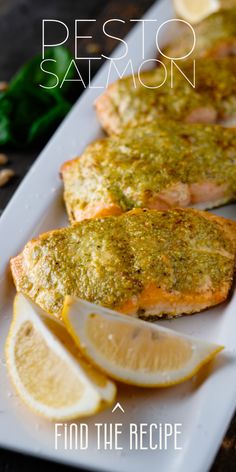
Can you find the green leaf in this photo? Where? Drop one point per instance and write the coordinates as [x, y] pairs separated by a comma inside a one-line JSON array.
[[5, 124], [5, 133], [29, 112], [31, 75], [47, 122]]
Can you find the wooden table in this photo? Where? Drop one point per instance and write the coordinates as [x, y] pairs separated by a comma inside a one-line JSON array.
[[20, 39]]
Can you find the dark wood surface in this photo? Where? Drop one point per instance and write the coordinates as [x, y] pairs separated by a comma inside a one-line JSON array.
[[20, 39]]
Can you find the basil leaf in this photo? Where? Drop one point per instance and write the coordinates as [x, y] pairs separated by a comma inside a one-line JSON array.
[[29, 112], [31, 75], [5, 133], [44, 125]]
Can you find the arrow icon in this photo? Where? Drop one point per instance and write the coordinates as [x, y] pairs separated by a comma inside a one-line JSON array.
[[118, 405]]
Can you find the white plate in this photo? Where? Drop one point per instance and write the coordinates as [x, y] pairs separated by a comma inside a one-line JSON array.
[[203, 407]]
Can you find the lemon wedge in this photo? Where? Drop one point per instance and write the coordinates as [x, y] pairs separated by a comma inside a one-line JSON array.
[[133, 351], [47, 368], [195, 11]]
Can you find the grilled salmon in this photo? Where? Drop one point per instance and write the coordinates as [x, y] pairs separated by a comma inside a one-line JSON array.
[[144, 263], [157, 165], [215, 37], [213, 99]]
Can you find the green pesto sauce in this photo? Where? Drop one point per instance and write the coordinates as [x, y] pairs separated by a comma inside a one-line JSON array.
[[132, 168], [215, 88], [210, 33], [107, 261]]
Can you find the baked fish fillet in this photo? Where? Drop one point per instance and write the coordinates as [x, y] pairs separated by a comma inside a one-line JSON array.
[[158, 165], [212, 100], [215, 37], [145, 263]]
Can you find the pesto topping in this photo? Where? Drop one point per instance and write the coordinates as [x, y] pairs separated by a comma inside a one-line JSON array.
[[132, 168], [218, 28], [110, 260], [215, 89]]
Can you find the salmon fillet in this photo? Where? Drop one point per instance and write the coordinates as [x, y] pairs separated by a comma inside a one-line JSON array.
[[215, 37], [212, 100], [158, 165], [145, 263]]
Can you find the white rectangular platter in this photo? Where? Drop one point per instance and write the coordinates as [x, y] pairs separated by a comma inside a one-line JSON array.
[[203, 405]]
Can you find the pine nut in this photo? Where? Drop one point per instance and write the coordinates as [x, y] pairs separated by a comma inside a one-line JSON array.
[[5, 176], [3, 86], [3, 159]]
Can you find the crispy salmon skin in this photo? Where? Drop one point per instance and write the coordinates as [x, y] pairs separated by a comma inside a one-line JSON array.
[[158, 165], [145, 263], [215, 37], [131, 101]]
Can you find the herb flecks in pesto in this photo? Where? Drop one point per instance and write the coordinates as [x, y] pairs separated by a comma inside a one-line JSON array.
[[132, 168], [214, 92], [108, 261]]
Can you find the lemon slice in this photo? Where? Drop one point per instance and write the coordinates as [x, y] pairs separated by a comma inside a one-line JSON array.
[[134, 351], [51, 380], [195, 11]]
